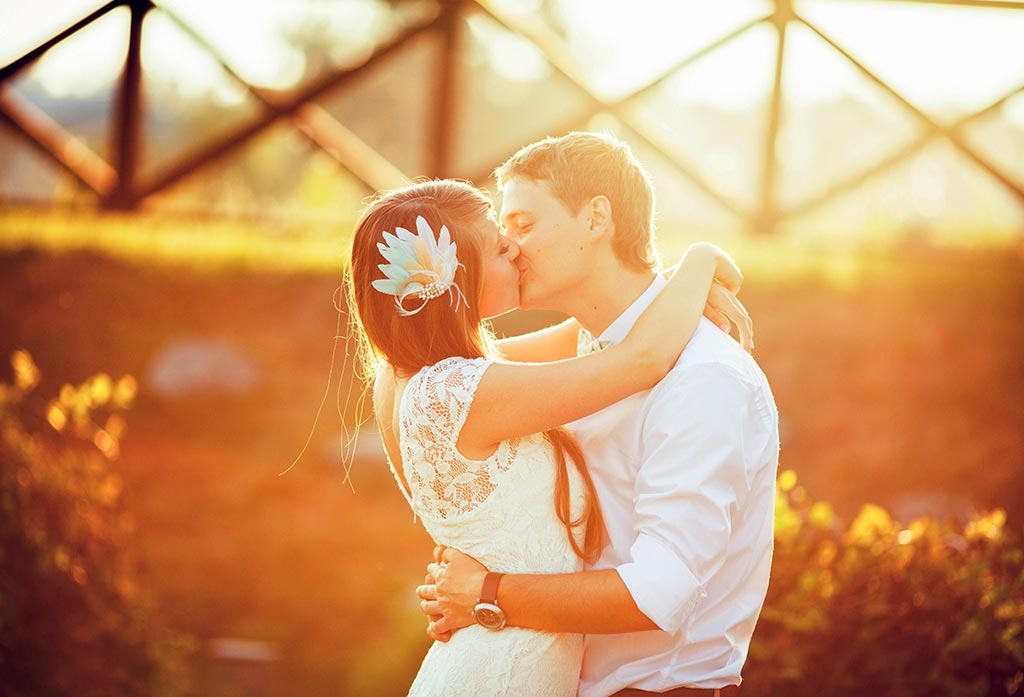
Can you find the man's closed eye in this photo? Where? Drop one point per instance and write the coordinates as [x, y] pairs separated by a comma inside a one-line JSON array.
[[518, 232]]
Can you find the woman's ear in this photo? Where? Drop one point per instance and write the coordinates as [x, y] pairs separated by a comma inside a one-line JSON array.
[[600, 216]]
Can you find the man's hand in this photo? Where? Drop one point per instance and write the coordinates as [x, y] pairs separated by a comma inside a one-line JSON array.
[[451, 590]]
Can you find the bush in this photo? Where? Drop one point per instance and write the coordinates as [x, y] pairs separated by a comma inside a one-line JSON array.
[[72, 619], [880, 608]]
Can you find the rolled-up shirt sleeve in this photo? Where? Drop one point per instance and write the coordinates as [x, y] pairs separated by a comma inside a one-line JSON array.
[[690, 480]]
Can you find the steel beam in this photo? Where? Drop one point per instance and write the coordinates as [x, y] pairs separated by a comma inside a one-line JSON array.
[[19, 64], [446, 98], [780, 20], [316, 89], [50, 139], [890, 161], [117, 186], [315, 123], [127, 126], [560, 59], [366, 164], [927, 120], [623, 101]]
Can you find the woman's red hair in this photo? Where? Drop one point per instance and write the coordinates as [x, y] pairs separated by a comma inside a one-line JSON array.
[[438, 331]]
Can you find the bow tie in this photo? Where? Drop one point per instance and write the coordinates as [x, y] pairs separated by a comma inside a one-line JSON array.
[[587, 343]]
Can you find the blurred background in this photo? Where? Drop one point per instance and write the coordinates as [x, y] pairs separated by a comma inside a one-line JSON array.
[[179, 182]]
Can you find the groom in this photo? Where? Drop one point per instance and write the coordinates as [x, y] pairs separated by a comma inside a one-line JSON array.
[[685, 473]]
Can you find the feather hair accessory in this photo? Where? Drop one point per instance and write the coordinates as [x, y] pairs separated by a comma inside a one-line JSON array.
[[419, 265]]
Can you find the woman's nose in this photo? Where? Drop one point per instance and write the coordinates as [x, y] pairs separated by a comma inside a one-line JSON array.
[[513, 249]]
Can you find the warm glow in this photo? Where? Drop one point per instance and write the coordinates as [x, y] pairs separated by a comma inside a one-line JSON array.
[[945, 58], [254, 38], [56, 417], [835, 122]]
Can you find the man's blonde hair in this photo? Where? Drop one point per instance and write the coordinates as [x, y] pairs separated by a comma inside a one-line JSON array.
[[581, 165]]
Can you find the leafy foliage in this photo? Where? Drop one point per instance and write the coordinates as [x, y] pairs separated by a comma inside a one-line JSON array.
[[72, 619], [880, 608]]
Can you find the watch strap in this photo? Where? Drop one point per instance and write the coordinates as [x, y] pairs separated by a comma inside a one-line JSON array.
[[489, 591]]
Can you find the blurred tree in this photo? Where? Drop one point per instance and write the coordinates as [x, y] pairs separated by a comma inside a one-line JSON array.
[[931, 608], [72, 619]]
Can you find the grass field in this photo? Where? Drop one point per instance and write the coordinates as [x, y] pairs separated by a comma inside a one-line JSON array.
[[898, 379]]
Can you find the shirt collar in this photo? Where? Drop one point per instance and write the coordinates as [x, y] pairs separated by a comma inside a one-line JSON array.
[[618, 329]]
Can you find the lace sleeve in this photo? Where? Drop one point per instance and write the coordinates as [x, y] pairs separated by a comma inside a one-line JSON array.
[[443, 482]]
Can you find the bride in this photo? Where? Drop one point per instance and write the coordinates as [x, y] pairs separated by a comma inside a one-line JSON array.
[[474, 439]]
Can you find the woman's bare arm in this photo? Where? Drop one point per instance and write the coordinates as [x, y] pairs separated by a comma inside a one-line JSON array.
[[558, 341], [519, 399], [552, 343]]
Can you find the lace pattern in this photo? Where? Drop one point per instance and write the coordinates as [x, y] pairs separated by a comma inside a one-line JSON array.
[[499, 510], [514, 663], [434, 409]]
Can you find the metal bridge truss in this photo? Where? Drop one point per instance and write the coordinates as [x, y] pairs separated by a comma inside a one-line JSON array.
[[118, 187]]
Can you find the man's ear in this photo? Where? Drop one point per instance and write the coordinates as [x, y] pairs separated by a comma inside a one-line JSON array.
[[600, 216]]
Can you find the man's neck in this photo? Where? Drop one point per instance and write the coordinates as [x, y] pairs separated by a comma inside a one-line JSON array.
[[607, 294]]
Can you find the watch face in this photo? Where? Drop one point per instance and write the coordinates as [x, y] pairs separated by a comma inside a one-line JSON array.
[[489, 616]]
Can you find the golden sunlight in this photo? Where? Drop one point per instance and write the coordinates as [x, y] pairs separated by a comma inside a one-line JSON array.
[[945, 58], [837, 121]]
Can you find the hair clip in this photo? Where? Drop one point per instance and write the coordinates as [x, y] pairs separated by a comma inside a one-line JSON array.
[[419, 265]]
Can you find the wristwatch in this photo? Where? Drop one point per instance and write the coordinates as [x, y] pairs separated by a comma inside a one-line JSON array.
[[487, 613]]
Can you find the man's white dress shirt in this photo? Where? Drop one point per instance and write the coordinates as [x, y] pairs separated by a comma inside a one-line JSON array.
[[685, 474]]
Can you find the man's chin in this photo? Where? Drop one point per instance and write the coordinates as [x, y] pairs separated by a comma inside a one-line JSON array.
[[528, 303], [527, 299]]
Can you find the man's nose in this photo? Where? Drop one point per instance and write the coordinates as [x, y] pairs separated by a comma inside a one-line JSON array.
[[513, 249]]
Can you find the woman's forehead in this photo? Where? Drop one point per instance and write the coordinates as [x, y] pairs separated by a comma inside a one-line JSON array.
[[489, 231]]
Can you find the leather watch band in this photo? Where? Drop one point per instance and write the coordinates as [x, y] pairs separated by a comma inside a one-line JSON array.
[[487, 613], [489, 591]]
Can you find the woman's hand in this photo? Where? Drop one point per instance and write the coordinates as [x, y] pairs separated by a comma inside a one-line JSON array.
[[724, 309], [450, 592]]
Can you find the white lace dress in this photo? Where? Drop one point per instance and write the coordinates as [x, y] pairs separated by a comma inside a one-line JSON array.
[[499, 510]]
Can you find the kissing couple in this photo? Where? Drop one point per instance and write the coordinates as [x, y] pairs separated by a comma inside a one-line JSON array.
[[601, 491]]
